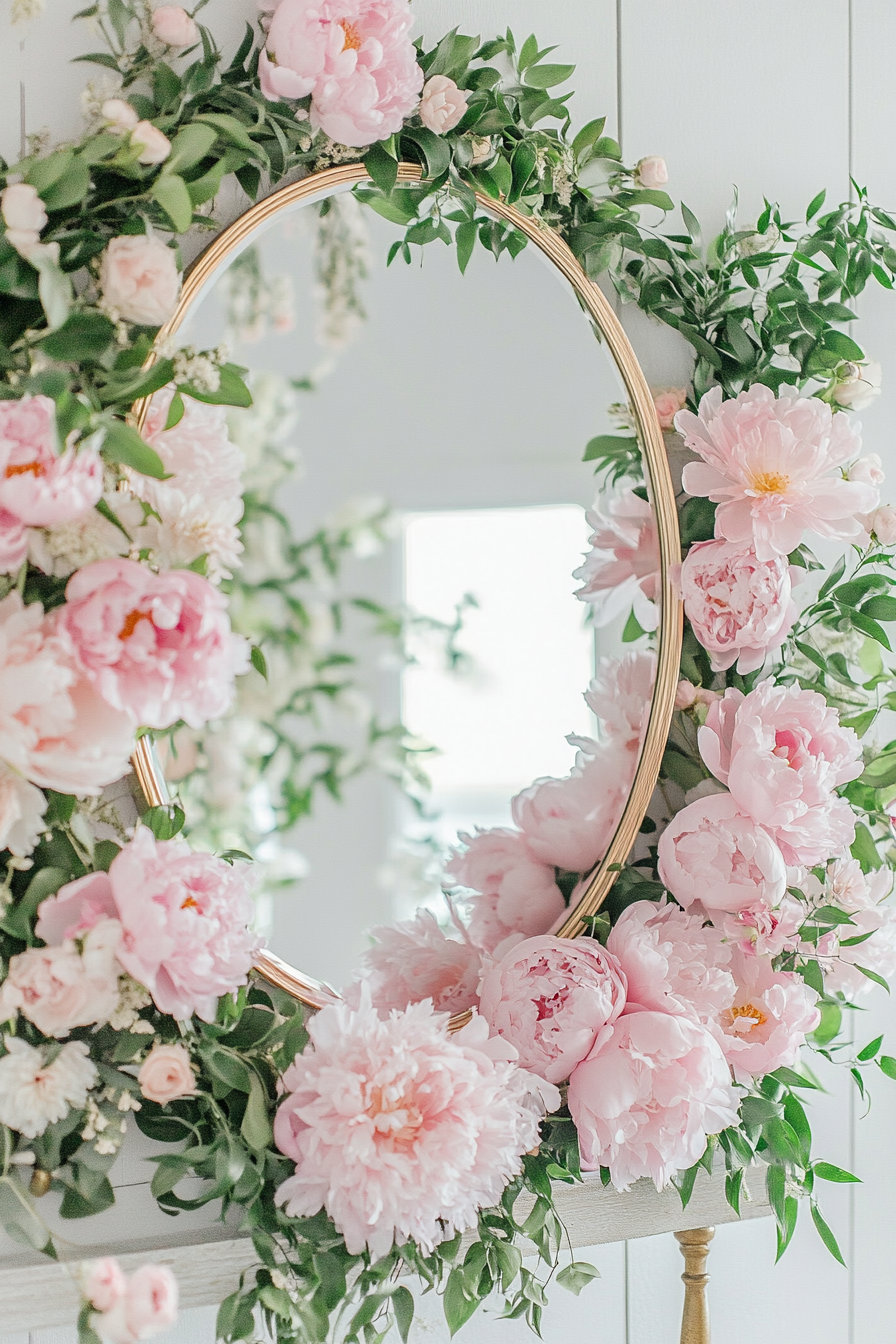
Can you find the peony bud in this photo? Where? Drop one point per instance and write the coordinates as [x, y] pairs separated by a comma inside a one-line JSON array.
[[119, 114], [651, 172], [859, 384], [22, 208], [442, 104], [173, 26], [883, 525], [155, 146]]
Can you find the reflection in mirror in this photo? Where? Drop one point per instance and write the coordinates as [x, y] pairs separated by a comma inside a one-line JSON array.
[[432, 587]]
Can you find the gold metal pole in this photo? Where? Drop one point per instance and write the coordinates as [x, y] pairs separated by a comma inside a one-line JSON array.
[[694, 1246]]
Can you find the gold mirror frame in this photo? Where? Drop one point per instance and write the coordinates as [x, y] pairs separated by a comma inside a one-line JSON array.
[[318, 186]]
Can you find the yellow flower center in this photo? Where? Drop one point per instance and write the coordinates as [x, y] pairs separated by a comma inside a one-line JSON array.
[[747, 1010], [353, 39], [131, 621], [22, 469], [770, 483]]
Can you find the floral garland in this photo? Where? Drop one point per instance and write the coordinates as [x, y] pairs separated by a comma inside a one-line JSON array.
[[126, 954]]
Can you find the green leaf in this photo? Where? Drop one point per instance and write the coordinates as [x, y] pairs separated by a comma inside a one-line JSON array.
[[792, 1079], [228, 1068], [456, 1303], [577, 1276], [18, 1218], [608, 446], [171, 193], [815, 204], [44, 172], [258, 661], [403, 1306], [887, 1065], [122, 443], [870, 1049], [232, 389], [829, 1026], [759, 1110], [827, 1235], [165, 821], [880, 773], [588, 136], [189, 146], [435, 149], [233, 131], [82, 337], [873, 975], [843, 345], [864, 849], [175, 411], [20, 914], [382, 167], [828, 1172], [465, 240], [256, 1125], [880, 608], [546, 76]]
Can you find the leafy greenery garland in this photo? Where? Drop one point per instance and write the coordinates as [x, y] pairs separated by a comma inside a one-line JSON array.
[[738, 309]]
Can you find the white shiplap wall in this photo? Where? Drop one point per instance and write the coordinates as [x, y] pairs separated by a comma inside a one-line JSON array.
[[779, 97]]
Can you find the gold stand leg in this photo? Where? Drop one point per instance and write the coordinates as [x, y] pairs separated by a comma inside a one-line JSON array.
[[695, 1317]]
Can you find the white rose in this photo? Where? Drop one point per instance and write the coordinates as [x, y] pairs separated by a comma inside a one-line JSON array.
[[22, 208], [119, 114], [860, 386], [156, 146], [651, 172], [883, 525], [442, 104]]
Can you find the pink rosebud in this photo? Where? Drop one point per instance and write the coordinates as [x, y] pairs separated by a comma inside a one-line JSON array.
[[166, 1074], [740, 607], [148, 1307], [139, 279], [651, 172], [154, 146], [648, 1096], [22, 208], [119, 114], [104, 1283], [668, 402], [173, 26], [157, 646], [442, 104], [552, 999], [714, 853], [883, 525]]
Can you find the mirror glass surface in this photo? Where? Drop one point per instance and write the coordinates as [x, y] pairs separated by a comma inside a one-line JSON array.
[[445, 429]]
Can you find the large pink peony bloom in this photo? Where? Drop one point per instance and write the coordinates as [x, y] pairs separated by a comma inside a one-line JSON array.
[[570, 822], [198, 452], [552, 999], [740, 607], [184, 920], [648, 1096], [515, 892], [623, 566], [60, 988], [673, 962], [397, 1129], [38, 487], [767, 1021], [157, 646], [54, 729], [355, 59], [781, 751], [714, 853], [621, 695], [767, 463], [414, 960]]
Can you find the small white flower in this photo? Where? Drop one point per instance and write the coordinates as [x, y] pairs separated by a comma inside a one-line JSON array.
[[34, 1094]]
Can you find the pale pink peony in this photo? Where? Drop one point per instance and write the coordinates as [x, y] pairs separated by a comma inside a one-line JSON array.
[[442, 104], [22, 808], [672, 961], [767, 462], [768, 1019], [198, 452], [414, 960], [172, 25], [623, 566], [60, 988], [35, 1093], [570, 822], [185, 920], [516, 893], [38, 486], [157, 646], [883, 525], [877, 953], [651, 172], [166, 1074], [552, 999], [621, 695], [647, 1098], [147, 1307], [740, 607], [139, 279], [781, 752], [103, 1283], [713, 852], [760, 931], [354, 58], [397, 1129], [668, 401], [55, 731]]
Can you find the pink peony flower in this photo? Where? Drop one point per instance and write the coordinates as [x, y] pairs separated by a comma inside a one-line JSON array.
[[172, 25], [883, 525], [552, 999], [673, 962], [148, 1306], [157, 646], [715, 853], [767, 1021], [198, 452], [185, 921], [22, 808], [668, 402], [103, 1283], [139, 279], [621, 695], [877, 953], [397, 1129], [355, 59], [38, 487], [623, 565], [648, 1096], [781, 752], [570, 822], [740, 608], [767, 462], [60, 988], [442, 104], [516, 893], [414, 960], [54, 729], [760, 931], [166, 1074]]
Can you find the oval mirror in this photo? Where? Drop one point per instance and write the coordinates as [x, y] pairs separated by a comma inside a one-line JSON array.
[[439, 579]]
